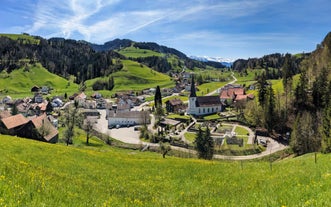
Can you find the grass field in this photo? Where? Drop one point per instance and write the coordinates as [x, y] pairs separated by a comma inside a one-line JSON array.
[[24, 37], [19, 82], [40, 174], [135, 77], [134, 52]]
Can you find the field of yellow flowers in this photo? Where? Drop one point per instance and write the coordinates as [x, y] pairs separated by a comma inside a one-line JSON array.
[[40, 174]]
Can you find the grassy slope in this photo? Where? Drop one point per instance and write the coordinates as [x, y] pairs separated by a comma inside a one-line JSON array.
[[135, 77], [37, 174], [19, 82], [31, 39], [136, 52]]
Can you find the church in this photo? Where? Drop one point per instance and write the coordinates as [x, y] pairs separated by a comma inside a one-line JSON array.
[[203, 105]]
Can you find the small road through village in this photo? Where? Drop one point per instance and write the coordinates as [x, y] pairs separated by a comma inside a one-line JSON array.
[[130, 136]]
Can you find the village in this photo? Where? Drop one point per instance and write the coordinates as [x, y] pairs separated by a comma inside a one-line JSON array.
[[123, 116]]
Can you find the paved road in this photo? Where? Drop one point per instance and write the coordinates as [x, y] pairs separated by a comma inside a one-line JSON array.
[[217, 90]]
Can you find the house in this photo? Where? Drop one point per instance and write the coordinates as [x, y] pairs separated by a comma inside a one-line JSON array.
[[174, 105], [127, 118], [202, 105], [90, 112], [13, 125], [101, 103], [81, 98], [6, 99], [35, 89], [38, 128], [38, 98], [231, 93], [44, 90], [96, 95], [57, 102], [43, 129]]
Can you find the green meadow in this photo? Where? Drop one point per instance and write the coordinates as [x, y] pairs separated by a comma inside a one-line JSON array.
[[39, 174], [19, 82], [24, 37], [136, 77], [134, 52]]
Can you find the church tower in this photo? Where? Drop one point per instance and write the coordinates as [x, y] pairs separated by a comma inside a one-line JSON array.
[[192, 99]]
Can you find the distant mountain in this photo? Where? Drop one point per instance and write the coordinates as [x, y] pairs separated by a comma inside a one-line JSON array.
[[224, 61]]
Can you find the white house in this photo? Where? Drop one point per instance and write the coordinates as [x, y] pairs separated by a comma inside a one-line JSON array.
[[127, 118], [202, 105]]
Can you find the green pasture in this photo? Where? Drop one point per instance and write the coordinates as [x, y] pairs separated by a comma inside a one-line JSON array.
[[19, 82], [39, 174], [136, 77], [24, 37], [134, 52]]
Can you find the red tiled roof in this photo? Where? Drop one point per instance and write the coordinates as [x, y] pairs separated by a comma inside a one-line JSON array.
[[39, 121], [241, 97], [14, 121]]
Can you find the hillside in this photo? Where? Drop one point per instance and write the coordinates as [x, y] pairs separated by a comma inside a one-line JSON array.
[[38, 174], [320, 58], [19, 82], [134, 76]]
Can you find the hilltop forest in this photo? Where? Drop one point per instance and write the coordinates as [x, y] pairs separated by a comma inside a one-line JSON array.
[[84, 60]]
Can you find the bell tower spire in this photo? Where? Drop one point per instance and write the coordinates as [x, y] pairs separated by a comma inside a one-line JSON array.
[[193, 94]]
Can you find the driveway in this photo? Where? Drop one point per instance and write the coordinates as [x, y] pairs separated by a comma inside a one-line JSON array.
[[125, 134]]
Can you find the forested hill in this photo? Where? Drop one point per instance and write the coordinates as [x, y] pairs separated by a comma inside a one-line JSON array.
[[275, 61], [320, 58], [119, 44], [84, 60], [59, 56]]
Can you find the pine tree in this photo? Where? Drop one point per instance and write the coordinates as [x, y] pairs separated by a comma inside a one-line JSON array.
[[158, 98], [204, 144], [262, 88], [304, 137], [301, 95], [270, 109]]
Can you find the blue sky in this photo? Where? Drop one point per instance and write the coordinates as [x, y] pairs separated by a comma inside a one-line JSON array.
[[216, 28]]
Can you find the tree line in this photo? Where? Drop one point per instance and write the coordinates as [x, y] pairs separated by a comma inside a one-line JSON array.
[[59, 56]]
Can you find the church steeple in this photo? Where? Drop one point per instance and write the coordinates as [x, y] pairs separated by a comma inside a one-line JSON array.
[[193, 94]]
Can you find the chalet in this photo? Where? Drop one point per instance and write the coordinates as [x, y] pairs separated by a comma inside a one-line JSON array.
[[127, 118], [35, 89], [81, 98], [38, 128], [38, 98], [43, 129], [44, 90], [231, 93], [174, 105], [96, 96], [6, 99], [13, 125], [202, 105]]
